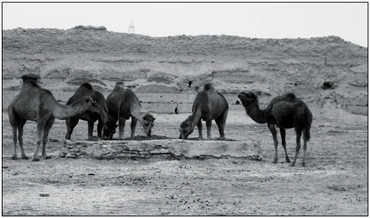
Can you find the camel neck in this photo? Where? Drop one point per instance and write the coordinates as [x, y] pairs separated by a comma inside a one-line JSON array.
[[104, 114], [197, 114], [136, 112], [256, 113], [66, 111]]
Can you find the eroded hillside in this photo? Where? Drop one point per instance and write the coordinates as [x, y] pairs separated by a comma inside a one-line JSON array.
[[327, 72]]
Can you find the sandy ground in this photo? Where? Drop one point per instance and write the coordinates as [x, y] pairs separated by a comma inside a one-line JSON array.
[[334, 181]]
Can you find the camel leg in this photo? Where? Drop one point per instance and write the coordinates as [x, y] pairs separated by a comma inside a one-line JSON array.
[[47, 128], [71, 123], [209, 126], [221, 121], [283, 142], [100, 127], [133, 126], [14, 129], [199, 125], [90, 129], [40, 131], [304, 149], [12, 121], [121, 123], [272, 128], [20, 137], [298, 139]]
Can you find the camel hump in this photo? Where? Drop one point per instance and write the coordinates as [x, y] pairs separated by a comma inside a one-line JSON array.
[[208, 86], [30, 77], [290, 95], [32, 83], [120, 85], [87, 85]]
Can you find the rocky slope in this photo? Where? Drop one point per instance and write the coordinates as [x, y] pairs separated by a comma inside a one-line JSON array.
[[328, 72]]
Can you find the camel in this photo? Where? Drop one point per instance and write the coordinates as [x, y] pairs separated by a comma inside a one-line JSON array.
[[208, 105], [286, 111], [103, 117], [38, 104], [123, 104]]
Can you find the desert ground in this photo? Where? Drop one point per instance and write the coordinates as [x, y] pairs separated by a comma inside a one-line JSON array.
[[334, 181]]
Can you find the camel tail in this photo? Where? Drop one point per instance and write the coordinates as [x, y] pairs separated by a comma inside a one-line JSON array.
[[306, 130]]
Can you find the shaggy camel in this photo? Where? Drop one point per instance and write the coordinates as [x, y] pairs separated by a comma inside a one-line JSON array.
[[38, 104], [208, 105], [123, 104], [86, 90], [284, 111]]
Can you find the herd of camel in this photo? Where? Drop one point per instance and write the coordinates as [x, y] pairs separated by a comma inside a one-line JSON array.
[[38, 104]]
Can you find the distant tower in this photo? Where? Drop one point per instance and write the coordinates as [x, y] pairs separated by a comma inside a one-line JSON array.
[[131, 28]]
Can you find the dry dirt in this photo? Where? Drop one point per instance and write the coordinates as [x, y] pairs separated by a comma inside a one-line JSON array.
[[334, 181]]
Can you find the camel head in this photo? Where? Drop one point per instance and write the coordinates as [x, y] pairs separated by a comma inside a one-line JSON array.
[[147, 123], [87, 105], [248, 98], [109, 129], [92, 106], [187, 127]]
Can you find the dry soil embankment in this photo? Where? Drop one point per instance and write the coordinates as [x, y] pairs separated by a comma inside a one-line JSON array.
[[330, 74]]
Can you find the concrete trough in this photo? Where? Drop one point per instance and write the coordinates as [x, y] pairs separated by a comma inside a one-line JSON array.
[[122, 149]]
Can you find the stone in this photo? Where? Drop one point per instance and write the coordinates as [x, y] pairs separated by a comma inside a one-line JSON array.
[[70, 156], [69, 142], [62, 154], [132, 155], [161, 151], [124, 149], [97, 153], [74, 150]]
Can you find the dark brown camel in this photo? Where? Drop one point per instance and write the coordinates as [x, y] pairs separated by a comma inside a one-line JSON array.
[[86, 90], [208, 105], [38, 104], [123, 104], [284, 111]]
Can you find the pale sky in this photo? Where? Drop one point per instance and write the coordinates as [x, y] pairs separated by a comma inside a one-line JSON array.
[[255, 20]]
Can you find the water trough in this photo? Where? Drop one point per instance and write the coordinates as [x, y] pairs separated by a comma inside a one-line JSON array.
[[123, 149]]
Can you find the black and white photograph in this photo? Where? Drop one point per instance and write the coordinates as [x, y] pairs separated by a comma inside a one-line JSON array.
[[185, 108]]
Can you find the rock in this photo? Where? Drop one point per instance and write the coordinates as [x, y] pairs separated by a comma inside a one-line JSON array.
[[70, 155], [161, 151], [69, 142]]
